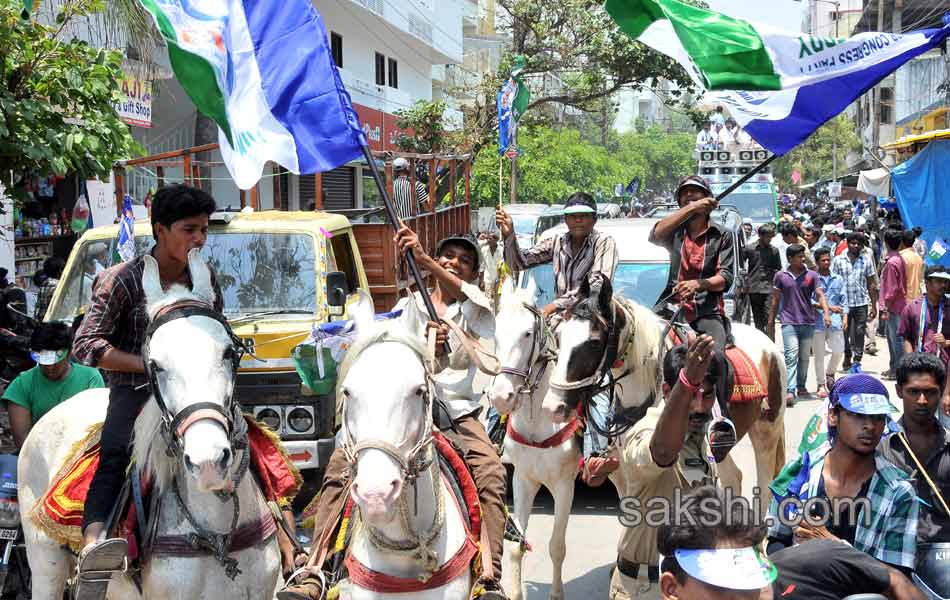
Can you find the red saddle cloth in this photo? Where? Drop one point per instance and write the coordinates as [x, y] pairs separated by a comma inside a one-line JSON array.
[[747, 381], [59, 511]]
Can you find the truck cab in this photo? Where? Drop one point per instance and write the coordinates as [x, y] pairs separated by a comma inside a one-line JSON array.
[[756, 199], [272, 268]]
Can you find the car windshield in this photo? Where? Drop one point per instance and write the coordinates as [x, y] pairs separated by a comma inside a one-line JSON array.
[[637, 281], [524, 224], [755, 206], [257, 272]]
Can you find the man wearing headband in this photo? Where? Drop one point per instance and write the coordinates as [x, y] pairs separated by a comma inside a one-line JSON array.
[[925, 327], [846, 491], [54, 379], [714, 551], [666, 451]]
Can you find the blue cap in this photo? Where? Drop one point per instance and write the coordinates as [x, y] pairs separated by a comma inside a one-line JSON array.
[[861, 394]]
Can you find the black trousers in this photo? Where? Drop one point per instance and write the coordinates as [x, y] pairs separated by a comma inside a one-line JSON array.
[[125, 403], [715, 327], [855, 333], [759, 303]]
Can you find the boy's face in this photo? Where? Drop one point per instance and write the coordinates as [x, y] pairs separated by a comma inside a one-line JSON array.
[[183, 235], [458, 260]]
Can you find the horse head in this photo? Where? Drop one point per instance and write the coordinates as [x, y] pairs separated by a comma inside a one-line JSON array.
[[519, 340], [387, 408], [190, 358], [582, 344]]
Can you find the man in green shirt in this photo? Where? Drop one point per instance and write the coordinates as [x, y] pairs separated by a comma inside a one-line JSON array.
[[54, 379]]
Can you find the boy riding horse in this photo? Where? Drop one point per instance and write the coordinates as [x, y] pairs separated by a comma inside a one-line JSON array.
[[456, 297], [582, 254]]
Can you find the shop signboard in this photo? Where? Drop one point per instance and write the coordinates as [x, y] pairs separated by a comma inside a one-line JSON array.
[[135, 106], [101, 196], [380, 128]]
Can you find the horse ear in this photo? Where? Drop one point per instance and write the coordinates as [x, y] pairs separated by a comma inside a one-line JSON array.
[[531, 291], [200, 276], [603, 300], [151, 281], [362, 311], [508, 291], [413, 319]]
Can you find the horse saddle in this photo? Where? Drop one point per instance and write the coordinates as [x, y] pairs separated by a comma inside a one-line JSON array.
[[743, 374]]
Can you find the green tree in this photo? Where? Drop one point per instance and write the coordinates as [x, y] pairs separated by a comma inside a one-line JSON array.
[[666, 157], [56, 101], [424, 120], [813, 158]]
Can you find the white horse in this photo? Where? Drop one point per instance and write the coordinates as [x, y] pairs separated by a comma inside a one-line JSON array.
[[551, 455], [582, 343], [409, 525], [192, 360]]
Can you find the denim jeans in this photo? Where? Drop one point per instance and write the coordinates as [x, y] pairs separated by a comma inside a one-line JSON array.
[[797, 340], [895, 343]]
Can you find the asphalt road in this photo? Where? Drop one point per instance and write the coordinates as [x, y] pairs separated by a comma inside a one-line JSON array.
[[593, 529]]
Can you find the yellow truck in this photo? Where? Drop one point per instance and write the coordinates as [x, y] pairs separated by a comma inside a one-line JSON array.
[[273, 268]]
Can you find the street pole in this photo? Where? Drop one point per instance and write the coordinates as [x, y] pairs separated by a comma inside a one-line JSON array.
[[834, 160], [876, 91]]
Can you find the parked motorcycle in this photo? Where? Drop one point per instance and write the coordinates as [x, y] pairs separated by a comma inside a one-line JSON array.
[[15, 579], [932, 575]]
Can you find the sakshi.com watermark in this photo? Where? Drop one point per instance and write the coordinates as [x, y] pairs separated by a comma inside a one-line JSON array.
[[734, 509]]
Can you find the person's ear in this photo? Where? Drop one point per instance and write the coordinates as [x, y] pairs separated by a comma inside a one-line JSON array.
[[667, 388], [669, 587]]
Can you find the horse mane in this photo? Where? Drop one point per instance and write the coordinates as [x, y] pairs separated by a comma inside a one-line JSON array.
[[644, 346], [148, 447]]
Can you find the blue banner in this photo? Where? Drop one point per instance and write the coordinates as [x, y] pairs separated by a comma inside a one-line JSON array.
[[919, 185]]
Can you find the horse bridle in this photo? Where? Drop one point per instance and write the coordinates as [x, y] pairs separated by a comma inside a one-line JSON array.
[[173, 426], [543, 352], [419, 457], [594, 382]]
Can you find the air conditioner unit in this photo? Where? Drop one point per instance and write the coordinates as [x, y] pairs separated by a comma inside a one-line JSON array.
[[723, 156], [746, 155], [761, 154]]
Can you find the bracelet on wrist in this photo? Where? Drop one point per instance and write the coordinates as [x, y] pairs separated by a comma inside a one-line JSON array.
[[687, 383]]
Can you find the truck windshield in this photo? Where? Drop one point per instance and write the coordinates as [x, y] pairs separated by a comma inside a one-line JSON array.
[[639, 281], [755, 206], [257, 272]]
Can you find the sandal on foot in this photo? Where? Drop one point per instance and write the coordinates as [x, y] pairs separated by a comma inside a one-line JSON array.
[[488, 589], [309, 586], [722, 438], [97, 563]]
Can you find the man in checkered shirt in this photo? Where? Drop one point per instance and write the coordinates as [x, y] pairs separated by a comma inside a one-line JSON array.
[[859, 497], [857, 270]]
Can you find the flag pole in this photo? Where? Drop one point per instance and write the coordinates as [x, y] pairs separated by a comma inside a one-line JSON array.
[[394, 219]]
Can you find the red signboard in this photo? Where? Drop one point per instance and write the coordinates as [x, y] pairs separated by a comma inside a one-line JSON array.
[[379, 127]]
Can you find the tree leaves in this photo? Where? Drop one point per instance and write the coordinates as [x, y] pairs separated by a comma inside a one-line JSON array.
[[56, 101], [813, 158]]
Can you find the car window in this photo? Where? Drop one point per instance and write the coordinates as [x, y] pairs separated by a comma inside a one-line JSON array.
[[638, 281], [341, 259]]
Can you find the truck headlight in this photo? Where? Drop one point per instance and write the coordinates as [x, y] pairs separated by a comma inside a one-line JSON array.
[[300, 420], [270, 418]]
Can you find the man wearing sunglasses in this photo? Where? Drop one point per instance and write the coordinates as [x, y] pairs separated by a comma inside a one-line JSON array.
[[53, 380]]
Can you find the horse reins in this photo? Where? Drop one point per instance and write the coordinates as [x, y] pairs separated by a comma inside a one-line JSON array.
[[543, 352]]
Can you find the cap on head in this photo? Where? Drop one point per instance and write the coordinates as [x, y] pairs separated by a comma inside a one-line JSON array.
[[862, 394], [401, 164], [937, 274], [467, 240], [692, 180], [580, 203]]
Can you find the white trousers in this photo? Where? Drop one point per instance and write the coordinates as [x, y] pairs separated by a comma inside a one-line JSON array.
[[834, 340]]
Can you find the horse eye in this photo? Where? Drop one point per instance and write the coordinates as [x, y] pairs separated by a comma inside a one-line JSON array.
[[420, 391], [228, 353], [527, 334]]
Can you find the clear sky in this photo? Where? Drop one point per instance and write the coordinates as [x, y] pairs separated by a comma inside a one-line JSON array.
[[785, 14]]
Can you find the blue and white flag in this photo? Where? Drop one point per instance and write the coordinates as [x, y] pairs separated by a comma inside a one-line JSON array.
[[794, 81], [126, 244], [834, 73], [263, 71]]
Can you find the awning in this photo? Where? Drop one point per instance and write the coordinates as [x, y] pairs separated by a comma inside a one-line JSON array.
[[875, 182], [909, 140]]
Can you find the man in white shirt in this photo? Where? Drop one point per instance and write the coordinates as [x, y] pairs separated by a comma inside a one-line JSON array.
[[704, 139]]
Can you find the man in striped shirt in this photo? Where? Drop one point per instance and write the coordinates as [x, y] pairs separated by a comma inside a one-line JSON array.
[[580, 254], [407, 205]]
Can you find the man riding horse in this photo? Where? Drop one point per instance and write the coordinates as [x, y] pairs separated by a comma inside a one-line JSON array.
[[111, 337], [702, 267], [580, 255], [456, 297]]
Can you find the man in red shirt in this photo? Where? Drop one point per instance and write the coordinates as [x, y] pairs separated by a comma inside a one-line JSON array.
[[702, 268], [893, 297]]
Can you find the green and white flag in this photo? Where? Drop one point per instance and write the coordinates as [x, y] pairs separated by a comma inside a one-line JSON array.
[[791, 82]]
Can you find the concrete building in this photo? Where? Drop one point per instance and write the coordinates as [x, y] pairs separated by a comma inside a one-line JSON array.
[[642, 107], [390, 54]]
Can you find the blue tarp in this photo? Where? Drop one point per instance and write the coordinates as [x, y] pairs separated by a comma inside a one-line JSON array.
[[920, 185]]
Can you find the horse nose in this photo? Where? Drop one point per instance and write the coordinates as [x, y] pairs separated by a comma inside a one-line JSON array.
[[189, 464], [557, 413], [225, 462], [384, 494]]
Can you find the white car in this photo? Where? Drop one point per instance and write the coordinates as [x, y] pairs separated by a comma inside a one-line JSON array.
[[524, 217]]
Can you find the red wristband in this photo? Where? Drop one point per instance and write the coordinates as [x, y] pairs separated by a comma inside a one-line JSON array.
[[686, 382]]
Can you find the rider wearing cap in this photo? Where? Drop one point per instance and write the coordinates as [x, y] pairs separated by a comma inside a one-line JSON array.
[[876, 505], [582, 254], [457, 297], [55, 379], [702, 267]]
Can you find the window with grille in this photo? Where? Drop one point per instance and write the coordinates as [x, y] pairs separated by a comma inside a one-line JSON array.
[[393, 73], [380, 69]]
